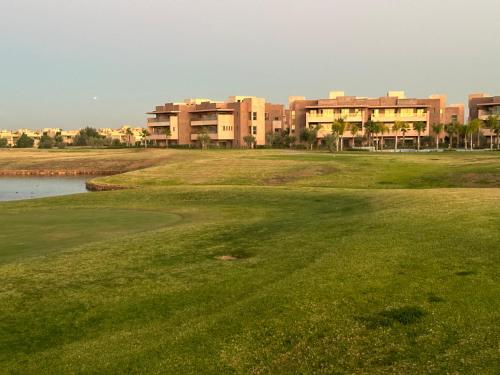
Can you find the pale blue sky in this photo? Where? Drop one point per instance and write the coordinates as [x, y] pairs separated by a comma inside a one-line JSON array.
[[57, 55]]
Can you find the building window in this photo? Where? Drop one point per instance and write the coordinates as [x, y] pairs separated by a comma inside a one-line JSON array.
[[255, 116], [454, 118], [254, 130], [266, 116], [250, 116]]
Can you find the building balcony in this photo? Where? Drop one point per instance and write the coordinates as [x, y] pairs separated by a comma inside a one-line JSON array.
[[159, 137], [204, 122], [352, 117], [157, 122], [398, 117], [215, 136]]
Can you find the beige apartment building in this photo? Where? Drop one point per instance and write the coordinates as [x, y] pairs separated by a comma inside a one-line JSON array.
[[395, 106], [227, 123]]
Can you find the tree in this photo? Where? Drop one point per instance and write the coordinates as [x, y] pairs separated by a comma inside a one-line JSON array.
[[330, 141], [249, 140], [310, 135], [404, 128], [168, 133], [437, 128], [371, 128], [129, 134], [396, 128], [46, 141], [382, 128], [492, 124], [451, 129], [87, 137], [59, 141], [275, 139], [419, 127], [462, 132], [473, 127], [4, 142], [341, 129], [354, 129], [203, 138], [336, 129], [289, 140], [24, 141], [145, 134]]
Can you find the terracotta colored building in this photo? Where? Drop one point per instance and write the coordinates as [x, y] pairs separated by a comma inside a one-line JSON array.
[[227, 123], [359, 110], [482, 106]]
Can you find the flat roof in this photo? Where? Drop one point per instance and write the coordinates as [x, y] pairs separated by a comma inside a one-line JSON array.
[[368, 106], [212, 110], [487, 104], [158, 112]]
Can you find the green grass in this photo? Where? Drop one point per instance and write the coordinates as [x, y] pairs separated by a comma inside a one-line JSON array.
[[348, 170], [325, 280]]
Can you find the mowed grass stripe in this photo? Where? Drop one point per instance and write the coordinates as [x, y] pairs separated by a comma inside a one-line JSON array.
[[318, 270]]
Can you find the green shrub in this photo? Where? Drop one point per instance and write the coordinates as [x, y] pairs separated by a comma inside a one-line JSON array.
[[25, 142]]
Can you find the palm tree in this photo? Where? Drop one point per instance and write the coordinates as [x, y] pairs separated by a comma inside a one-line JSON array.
[[419, 127], [450, 129], [473, 126], [341, 129], [336, 129], [354, 129], [145, 134], [496, 130], [382, 128], [437, 128], [168, 133], [404, 129], [491, 123], [370, 130], [480, 125], [398, 125], [129, 134]]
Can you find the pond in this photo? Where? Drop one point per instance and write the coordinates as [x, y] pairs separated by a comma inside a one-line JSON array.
[[16, 188]]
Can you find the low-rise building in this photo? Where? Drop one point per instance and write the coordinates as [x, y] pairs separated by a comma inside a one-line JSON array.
[[226, 123], [483, 106], [395, 107]]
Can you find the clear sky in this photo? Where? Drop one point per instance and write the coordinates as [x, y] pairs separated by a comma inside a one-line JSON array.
[[103, 63]]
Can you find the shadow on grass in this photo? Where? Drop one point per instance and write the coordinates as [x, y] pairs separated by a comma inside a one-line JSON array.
[[387, 318], [465, 273]]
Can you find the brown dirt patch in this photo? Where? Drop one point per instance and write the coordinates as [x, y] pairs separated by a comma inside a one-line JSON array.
[[227, 257]]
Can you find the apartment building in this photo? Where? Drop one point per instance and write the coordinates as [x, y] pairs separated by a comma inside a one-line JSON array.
[[226, 122], [395, 106], [482, 106]]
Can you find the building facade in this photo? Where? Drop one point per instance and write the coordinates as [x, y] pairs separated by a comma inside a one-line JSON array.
[[227, 123], [395, 107], [482, 106]]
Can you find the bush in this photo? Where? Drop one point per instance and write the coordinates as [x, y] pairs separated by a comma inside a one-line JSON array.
[[46, 142], [89, 137], [4, 143], [25, 142]]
